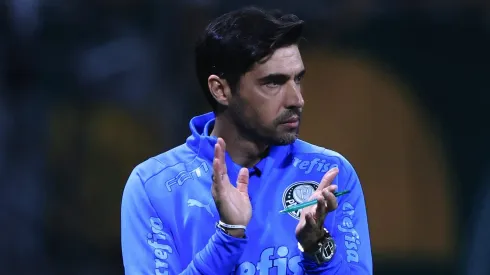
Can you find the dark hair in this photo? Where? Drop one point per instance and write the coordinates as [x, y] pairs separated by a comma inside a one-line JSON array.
[[232, 43]]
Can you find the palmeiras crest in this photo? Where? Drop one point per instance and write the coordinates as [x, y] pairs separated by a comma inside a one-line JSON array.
[[297, 193]]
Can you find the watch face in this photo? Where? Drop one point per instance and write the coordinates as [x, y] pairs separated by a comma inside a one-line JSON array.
[[329, 248]]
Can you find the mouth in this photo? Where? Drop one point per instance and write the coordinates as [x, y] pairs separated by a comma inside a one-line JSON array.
[[292, 122]]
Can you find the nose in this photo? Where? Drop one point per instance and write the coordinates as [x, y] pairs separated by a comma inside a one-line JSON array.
[[294, 96]]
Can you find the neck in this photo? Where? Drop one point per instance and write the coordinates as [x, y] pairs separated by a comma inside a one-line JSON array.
[[242, 151]]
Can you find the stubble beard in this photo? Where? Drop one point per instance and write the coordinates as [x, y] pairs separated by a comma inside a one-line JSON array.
[[265, 135]]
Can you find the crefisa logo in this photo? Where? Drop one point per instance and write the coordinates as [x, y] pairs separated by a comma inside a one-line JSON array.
[[297, 193]]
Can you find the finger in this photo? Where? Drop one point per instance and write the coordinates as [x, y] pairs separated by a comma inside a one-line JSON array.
[[302, 219], [332, 188], [219, 166], [242, 181], [217, 156], [330, 199], [328, 178], [310, 220], [321, 210], [217, 179], [220, 154]]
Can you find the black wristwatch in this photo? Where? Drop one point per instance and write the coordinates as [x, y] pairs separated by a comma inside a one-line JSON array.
[[323, 252]]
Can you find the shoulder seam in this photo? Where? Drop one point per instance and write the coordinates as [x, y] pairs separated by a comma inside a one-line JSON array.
[[157, 173], [342, 160], [162, 169], [159, 162], [164, 165]]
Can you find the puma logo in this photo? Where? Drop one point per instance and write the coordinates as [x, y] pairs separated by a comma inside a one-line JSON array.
[[192, 202]]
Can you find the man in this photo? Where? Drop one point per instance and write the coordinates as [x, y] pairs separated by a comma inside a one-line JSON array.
[[211, 205]]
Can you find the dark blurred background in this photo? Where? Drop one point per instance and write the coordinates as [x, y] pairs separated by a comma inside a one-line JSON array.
[[90, 88]]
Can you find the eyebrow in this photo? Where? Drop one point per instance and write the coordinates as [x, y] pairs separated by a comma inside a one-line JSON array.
[[280, 78]]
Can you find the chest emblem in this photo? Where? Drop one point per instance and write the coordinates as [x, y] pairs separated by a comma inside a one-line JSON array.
[[297, 193]]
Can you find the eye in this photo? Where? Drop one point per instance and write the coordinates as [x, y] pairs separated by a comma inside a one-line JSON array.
[[298, 79], [273, 84]]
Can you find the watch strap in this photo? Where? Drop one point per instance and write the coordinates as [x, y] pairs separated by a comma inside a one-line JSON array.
[[324, 252]]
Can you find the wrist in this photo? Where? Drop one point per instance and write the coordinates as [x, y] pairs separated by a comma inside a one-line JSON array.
[[322, 251], [310, 248], [311, 245], [236, 231]]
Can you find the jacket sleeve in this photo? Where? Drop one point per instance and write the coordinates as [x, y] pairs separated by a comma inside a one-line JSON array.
[[148, 246], [350, 232]]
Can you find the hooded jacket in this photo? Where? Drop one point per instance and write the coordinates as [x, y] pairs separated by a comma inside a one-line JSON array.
[[168, 216]]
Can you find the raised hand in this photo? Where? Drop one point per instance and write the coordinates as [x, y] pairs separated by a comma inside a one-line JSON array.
[[310, 227], [233, 203]]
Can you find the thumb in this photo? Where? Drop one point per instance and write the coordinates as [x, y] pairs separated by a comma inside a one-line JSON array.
[[242, 181]]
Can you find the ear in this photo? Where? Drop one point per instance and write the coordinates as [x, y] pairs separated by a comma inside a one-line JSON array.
[[219, 89]]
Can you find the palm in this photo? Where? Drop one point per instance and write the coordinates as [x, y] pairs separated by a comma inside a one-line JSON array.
[[309, 232], [235, 206], [233, 203], [310, 226]]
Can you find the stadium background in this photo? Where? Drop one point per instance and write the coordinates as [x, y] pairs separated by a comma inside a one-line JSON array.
[[88, 89]]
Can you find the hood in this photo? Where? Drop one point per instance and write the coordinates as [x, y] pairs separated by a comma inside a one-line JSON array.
[[203, 144], [199, 140]]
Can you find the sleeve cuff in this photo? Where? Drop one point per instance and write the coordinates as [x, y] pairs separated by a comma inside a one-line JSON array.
[[309, 265], [221, 253]]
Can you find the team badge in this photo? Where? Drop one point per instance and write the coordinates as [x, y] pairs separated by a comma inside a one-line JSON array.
[[297, 193]]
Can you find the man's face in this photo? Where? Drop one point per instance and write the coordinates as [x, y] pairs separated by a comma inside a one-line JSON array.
[[269, 100]]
